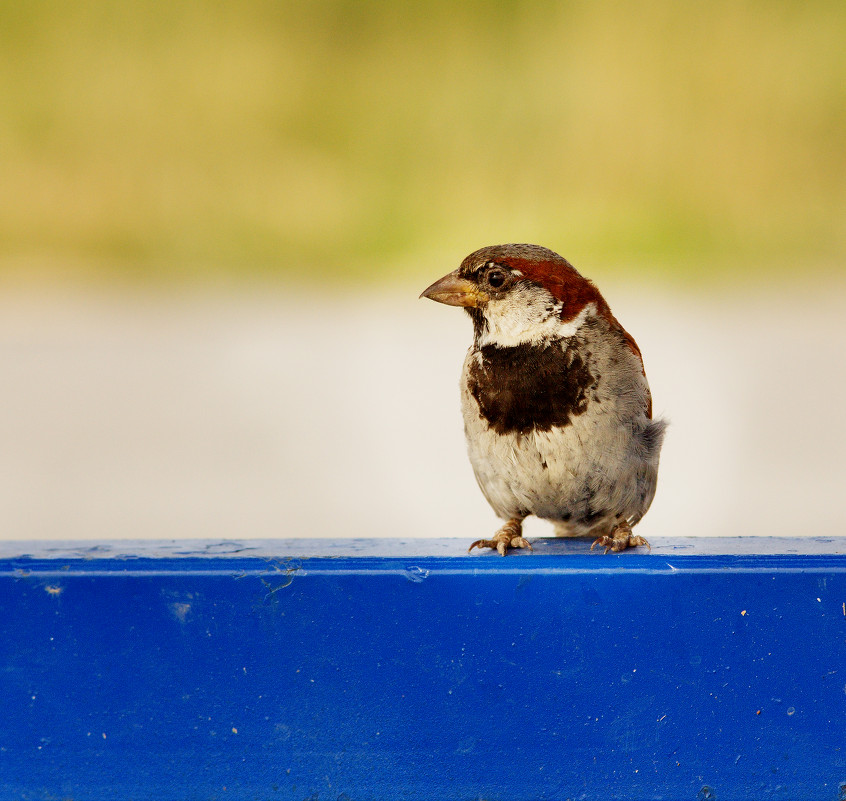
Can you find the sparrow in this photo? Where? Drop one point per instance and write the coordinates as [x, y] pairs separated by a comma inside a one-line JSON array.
[[557, 410]]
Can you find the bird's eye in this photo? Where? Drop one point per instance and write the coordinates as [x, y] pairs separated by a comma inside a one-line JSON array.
[[496, 278]]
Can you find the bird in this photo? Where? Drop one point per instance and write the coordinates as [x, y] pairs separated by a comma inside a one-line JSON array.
[[556, 406]]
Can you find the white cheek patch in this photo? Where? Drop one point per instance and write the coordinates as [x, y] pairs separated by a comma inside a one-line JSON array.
[[527, 316]]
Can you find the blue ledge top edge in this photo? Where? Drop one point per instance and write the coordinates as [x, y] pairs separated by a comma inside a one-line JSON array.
[[446, 555]]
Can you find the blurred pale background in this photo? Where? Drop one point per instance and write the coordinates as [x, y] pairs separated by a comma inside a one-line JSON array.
[[215, 220]]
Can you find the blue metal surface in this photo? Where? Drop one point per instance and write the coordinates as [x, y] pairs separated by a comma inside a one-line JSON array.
[[325, 670]]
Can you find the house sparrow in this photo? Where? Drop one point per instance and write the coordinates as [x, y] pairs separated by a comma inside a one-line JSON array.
[[557, 410]]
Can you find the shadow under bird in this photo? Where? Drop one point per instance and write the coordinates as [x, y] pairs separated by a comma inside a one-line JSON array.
[[556, 405]]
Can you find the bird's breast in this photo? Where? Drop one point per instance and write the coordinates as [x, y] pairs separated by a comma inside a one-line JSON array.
[[530, 386]]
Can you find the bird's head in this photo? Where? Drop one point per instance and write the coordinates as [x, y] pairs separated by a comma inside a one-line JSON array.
[[517, 294]]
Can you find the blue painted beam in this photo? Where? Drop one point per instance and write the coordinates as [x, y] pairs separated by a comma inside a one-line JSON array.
[[383, 669]]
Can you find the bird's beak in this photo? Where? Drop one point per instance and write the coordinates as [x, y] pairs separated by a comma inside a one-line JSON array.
[[454, 290]]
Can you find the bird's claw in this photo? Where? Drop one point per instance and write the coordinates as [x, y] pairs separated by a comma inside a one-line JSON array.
[[619, 539], [501, 545], [509, 536]]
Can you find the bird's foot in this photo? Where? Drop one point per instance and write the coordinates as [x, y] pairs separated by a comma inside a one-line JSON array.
[[619, 539], [509, 536]]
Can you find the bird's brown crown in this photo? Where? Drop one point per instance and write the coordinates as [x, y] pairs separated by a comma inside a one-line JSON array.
[[545, 268]]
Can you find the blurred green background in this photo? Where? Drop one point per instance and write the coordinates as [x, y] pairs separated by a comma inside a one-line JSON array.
[[356, 139]]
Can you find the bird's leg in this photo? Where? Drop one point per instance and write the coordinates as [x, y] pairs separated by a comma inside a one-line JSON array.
[[509, 536], [619, 539]]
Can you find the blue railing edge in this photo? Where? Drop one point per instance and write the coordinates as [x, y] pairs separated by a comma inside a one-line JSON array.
[[414, 558]]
